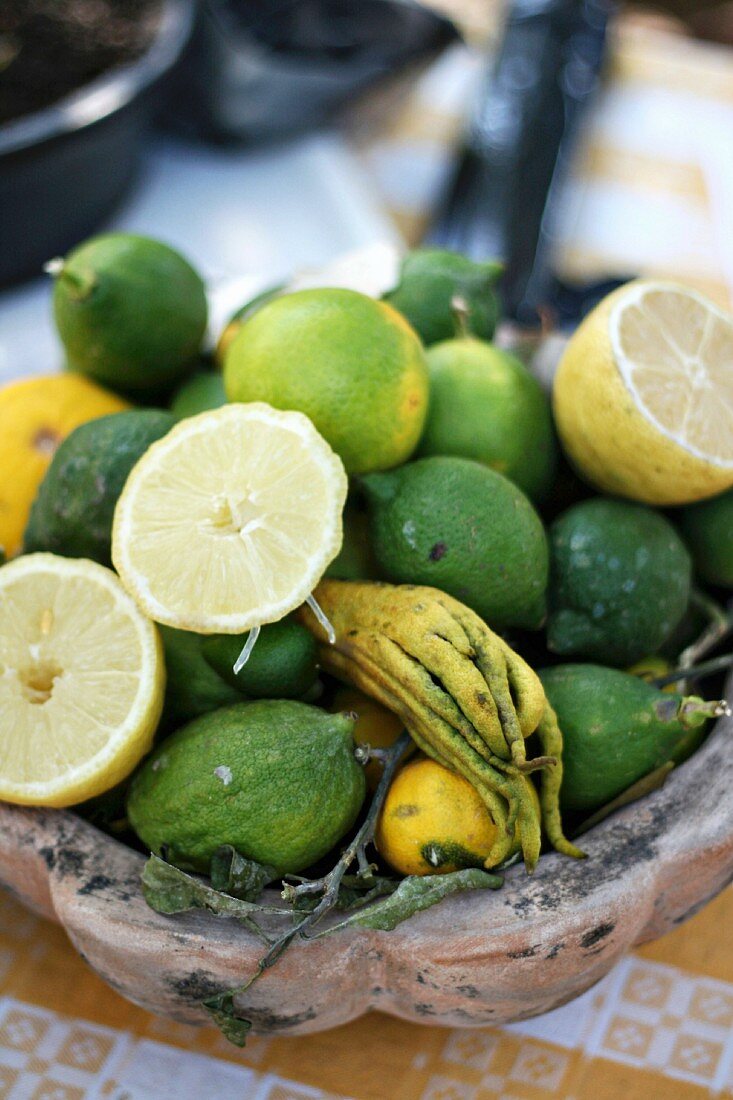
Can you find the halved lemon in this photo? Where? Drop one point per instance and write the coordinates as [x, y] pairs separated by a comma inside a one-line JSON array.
[[81, 681], [643, 396], [230, 520]]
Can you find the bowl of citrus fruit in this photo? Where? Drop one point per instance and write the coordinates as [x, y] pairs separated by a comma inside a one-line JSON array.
[[342, 665]]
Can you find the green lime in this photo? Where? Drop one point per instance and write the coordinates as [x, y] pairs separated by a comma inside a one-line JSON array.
[[461, 527], [616, 729], [707, 528], [355, 560], [350, 363], [485, 404], [192, 686], [276, 779], [130, 311], [201, 392], [442, 292], [74, 508], [282, 665], [619, 581]]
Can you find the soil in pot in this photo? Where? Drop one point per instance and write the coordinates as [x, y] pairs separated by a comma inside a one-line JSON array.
[[49, 48]]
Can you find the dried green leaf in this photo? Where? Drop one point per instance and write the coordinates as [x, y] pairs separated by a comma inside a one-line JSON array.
[[241, 878], [355, 892], [414, 894], [233, 1027], [168, 890]]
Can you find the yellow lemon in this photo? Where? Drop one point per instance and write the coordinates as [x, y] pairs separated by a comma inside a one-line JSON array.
[[649, 668], [433, 822], [81, 681], [643, 396], [36, 415], [229, 520], [375, 726]]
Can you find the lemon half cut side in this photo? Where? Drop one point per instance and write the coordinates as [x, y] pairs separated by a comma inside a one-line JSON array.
[[81, 681], [643, 395], [230, 520], [674, 350]]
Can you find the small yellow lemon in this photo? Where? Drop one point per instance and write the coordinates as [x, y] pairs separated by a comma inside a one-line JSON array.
[[433, 822], [643, 396], [375, 726], [36, 415]]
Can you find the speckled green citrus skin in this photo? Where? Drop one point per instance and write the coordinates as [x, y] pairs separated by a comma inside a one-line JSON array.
[[276, 779], [458, 526], [485, 405], [707, 528], [619, 581], [352, 364], [612, 734], [74, 508], [131, 311], [431, 279]]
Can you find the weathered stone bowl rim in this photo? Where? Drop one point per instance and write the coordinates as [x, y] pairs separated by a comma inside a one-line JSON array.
[[481, 958]]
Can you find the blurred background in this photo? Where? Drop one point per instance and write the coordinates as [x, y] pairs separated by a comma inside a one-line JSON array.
[[582, 142]]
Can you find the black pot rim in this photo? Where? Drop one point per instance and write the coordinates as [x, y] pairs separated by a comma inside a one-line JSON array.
[[109, 92]]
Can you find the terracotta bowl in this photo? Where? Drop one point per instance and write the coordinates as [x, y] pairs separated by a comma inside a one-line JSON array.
[[475, 959]]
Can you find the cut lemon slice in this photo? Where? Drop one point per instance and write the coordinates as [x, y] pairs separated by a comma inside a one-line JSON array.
[[230, 520], [81, 681], [643, 396], [674, 350]]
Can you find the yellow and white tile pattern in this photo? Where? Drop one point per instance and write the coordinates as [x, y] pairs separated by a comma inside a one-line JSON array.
[[660, 1025]]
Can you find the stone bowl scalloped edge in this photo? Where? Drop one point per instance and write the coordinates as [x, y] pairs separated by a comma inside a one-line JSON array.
[[486, 958]]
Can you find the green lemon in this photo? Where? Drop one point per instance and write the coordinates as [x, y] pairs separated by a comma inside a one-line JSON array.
[[282, 665], [485, 404], [616, 729], [192, 687], [619, 581], [707, 528], [201, 392], [355, 560], [438, 287], [351, 364], [461, 527], [130, 311], [275, 779], [74, 508]]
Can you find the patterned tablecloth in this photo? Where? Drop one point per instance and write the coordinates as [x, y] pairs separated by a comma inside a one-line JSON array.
[[649, 194], [660, 1025]]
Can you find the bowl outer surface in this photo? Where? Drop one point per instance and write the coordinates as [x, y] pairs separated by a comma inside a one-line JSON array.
[[475, 959]]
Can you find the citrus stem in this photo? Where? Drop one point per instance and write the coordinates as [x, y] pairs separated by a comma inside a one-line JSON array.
[[716, 708], [695, 672], [720, 625], [329, 885], [459, 309], [247, 648], [54, 267]]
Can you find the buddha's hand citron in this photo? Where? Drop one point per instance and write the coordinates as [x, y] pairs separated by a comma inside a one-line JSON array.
[[465, 697]]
